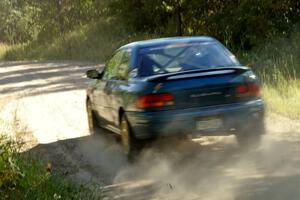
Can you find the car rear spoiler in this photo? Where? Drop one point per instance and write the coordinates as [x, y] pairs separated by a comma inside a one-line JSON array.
[[198, 73]]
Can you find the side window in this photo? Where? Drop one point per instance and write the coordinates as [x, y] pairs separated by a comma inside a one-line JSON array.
[[111, 69], [123, 68]]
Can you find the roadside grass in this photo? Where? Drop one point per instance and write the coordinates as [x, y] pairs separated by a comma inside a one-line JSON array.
[[278, 65], [286, 103], [24, 176], [4, 48], [282, 86]]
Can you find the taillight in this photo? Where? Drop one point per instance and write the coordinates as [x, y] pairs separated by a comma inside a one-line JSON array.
[[248, 90], [155, 100]]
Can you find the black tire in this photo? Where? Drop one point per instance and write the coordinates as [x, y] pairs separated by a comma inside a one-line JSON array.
[[131, 146], [250, 136], [92, 121]]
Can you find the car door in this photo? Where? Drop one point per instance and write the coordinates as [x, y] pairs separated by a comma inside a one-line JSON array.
[[102, 89], [119, 87]]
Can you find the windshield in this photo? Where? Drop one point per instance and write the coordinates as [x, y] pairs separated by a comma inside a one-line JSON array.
[[183, 57]]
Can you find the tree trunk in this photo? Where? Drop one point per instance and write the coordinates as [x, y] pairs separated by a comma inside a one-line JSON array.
[[179, 18], [60, 17]]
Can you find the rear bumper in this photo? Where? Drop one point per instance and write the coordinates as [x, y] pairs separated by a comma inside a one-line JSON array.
[[182, 122]]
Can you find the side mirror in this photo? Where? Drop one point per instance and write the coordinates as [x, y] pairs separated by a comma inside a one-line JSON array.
[[94, 74]]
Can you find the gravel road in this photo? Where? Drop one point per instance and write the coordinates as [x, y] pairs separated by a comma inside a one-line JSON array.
[[49, 98]]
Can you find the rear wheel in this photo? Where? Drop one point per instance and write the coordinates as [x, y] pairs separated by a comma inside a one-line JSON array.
[[131, 145], [92, 121], [251, 136]]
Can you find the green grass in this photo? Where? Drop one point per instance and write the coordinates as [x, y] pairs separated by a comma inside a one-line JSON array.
[[282, 86], [4, 48], [283, 103], [278, 65]]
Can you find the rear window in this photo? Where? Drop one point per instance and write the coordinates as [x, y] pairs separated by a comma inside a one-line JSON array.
[[179, 57]]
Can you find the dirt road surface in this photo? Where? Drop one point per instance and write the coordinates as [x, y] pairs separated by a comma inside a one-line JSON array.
[[49, 98]]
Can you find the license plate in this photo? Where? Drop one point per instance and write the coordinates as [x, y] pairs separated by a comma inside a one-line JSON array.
[[209, 124]]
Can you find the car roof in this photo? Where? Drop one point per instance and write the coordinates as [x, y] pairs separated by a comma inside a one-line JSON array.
[[166, 41]]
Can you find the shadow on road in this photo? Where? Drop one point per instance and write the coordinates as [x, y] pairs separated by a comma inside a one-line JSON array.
[[35, 78]]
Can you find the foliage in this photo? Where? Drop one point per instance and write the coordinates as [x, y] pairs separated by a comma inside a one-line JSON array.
[[23, 21], [238, 23], [17, 21]]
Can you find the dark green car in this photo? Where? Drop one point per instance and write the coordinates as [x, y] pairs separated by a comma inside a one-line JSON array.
[[184, 86]]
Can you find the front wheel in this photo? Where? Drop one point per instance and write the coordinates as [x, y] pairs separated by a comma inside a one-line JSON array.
[[92, 121], [131, 145]]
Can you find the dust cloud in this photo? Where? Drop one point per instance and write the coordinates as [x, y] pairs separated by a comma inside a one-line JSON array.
[[218, 168]]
